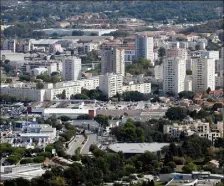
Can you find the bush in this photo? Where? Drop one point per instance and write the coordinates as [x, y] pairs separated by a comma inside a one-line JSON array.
[[13, 159], [26, 161], [178, 160], [46, 154], [39, 159], [65, 118]]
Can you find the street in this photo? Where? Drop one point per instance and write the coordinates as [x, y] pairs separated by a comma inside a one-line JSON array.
[[75, 143], [92, 138]]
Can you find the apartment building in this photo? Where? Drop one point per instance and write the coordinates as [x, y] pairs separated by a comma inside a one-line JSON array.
[[175, 129], [71, 70], [51, 66], [219, 79], [176, 52], [158, 72], [129, 56], [111, 84], [9, 44], [23, 91], [144, 47], [144, 88], [112, 60], [203, 74], [174, 72]]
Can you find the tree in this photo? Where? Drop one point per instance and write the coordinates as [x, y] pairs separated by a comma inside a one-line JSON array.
[[77, 33], [102, 120], [216, 106], [190, 167], [208, 90], [39, 85], [65, 118], [186, 94], [63, 95], [161, 52], [84, 117], [79, 96], [219, 142], [176, 113]]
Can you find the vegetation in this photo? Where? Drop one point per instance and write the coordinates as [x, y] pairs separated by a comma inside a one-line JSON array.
[[134, 96], [139, 66], [186, 94], [176, 113]]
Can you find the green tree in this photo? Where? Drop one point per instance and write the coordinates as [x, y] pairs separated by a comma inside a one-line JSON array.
[[176, 113], [77, 33], [161, 52], [190, 167], [102, 120], [79, 96], [186, 94]]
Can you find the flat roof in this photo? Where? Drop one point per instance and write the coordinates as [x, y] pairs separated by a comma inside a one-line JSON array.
[[133, 148]]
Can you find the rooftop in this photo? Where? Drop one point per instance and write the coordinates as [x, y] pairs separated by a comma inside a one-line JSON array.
[[137, 147]]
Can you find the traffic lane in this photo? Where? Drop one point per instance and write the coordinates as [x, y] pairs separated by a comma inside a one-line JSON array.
[[77, 142], [92, 139]]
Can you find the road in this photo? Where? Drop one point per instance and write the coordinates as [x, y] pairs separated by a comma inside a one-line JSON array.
[[74, 144], [92, 138]]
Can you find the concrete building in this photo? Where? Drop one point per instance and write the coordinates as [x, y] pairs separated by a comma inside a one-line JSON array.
[[23, 91], [176, 52], [174, 73], [112, 60], [210, 54], [12, 56], [71, 70], [9, 44], [144, 47], [203, 74], [219, 79], [111, 84], [158, 72], [38, 71], [51, 66], [129, 56], [144, 88]]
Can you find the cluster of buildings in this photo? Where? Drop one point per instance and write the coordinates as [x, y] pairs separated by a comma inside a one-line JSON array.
[[200, 128], [169, 71]]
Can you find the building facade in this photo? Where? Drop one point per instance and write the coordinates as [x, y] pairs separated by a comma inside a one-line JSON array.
[[203, 74], [71, 69]]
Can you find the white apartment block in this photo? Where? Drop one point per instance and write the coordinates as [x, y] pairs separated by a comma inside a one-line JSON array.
[[144, 48], [174, 72], [158, 72], [112, 60], [219, 65], [210, 54], [71, 70], [129, 56], [175, 129], [55, 47], [144, 88], [222, 53], [188, 85], [210, 135], [38, 71], [203, 74], [23, 92], [51, 66], [111, 84], [219, 79]]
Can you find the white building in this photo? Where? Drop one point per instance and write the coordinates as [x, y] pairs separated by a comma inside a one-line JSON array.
[[188, 84], [71, 70], [43, 133], [210, 54], [203, 74], [51, 66], [174, 72], [111, 84], [12, 56], [219, 79], [129, 56], [112, 60], [144, 88], [55, 47], [219, 65], [144, 47], [9, 44], [38, 71], [23, 91], [158, 72]]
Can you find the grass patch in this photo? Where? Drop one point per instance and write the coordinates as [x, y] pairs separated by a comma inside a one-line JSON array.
[[159, 183]]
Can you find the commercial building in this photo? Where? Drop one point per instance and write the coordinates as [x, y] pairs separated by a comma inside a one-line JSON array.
[[111, 84], [12, 56], [174, 72], [71, 70], [136, 148], [62, 108], [144, 47], [203, 74], [112, 60], [42, 133], [38, 71]]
